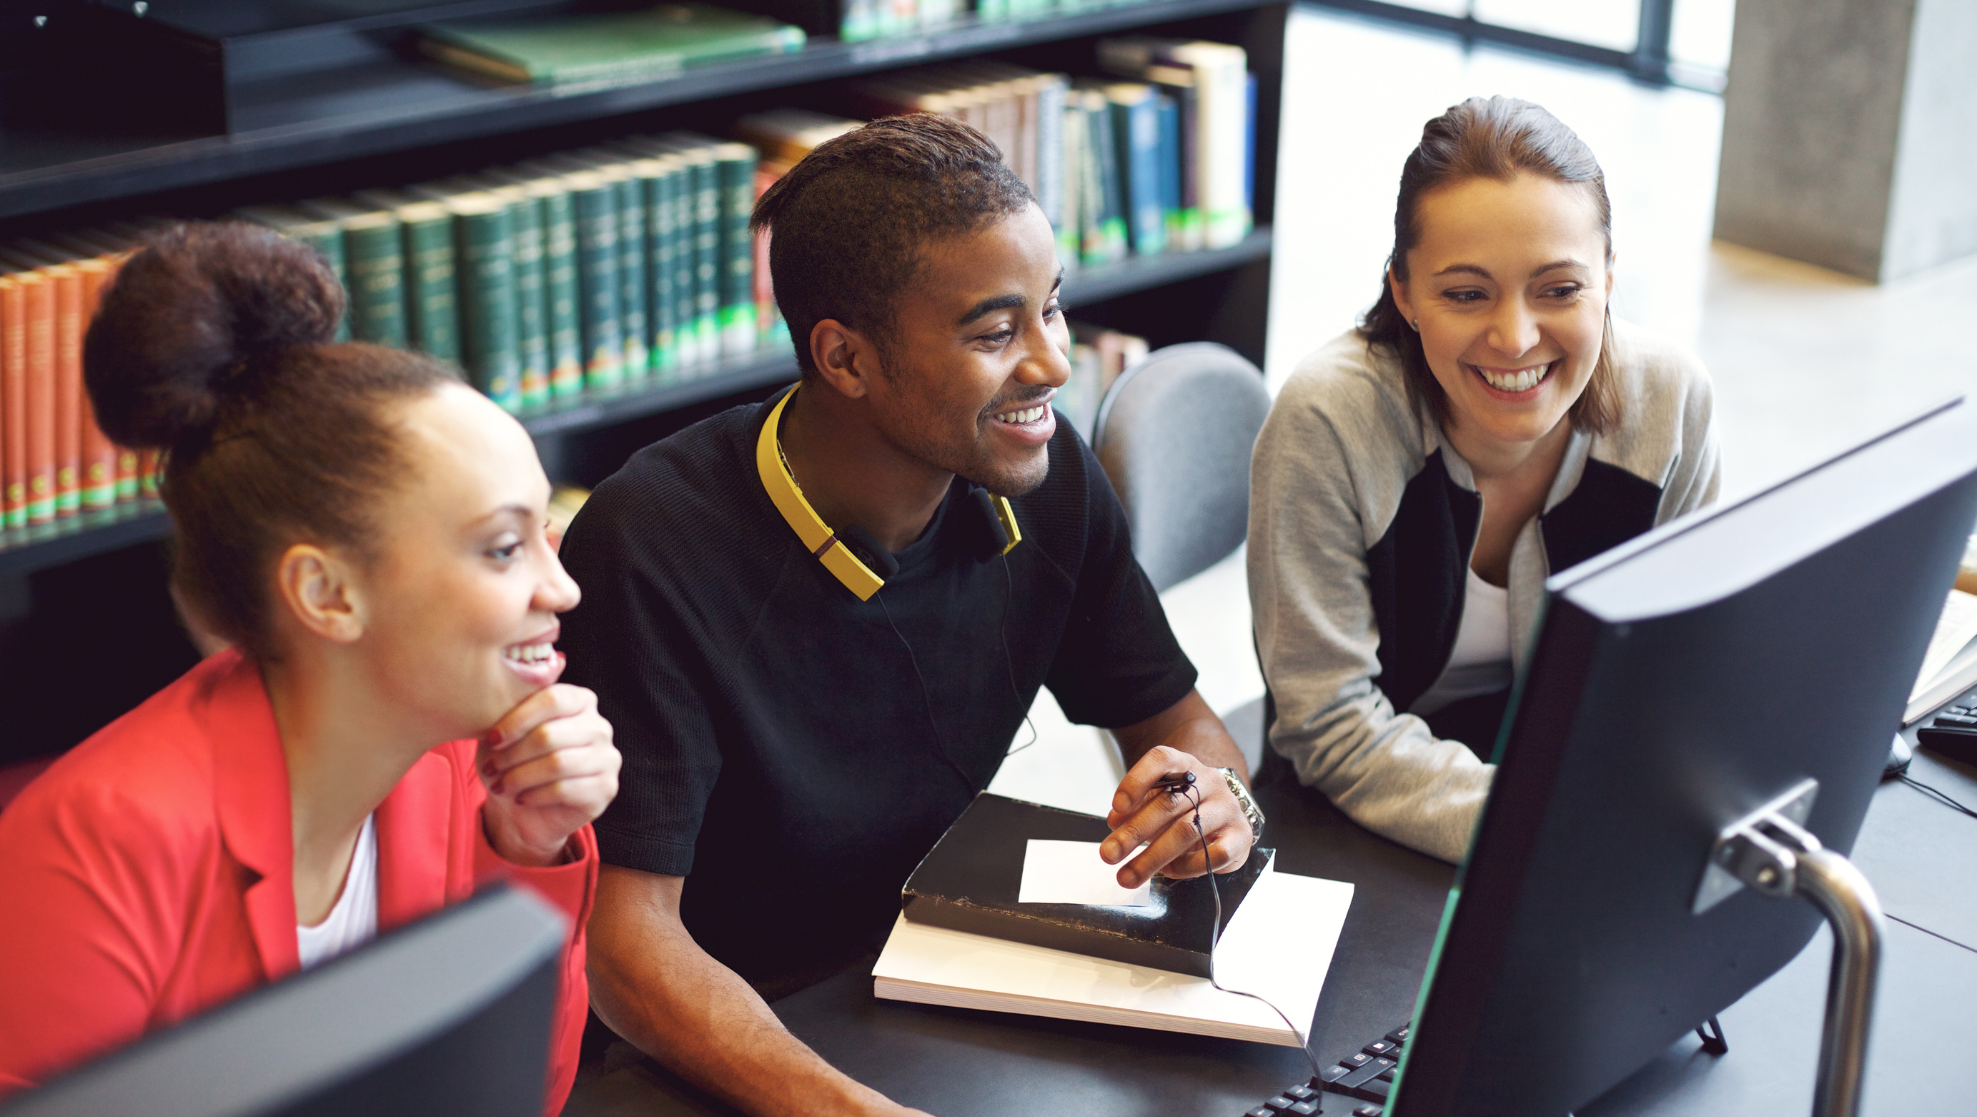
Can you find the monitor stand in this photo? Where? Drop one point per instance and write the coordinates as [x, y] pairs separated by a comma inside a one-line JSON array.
[[1771, 851]]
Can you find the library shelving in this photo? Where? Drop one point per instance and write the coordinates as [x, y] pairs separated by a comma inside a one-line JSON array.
[[87, 629]]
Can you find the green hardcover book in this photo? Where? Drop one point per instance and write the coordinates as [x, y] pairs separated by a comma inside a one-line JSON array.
[[323, 235], [704, 193], [1105, 224], [374, 262], [735, 166], [594, 199], [631, 274], [693, 185], [661, 246], [692, 339], [600, 50], [531, 285], [562, 291], [431, 296], [623, 171], [484, 245]]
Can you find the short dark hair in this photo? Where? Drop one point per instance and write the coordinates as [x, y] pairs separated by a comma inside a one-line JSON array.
[[214, 344], [847, 223], [1495, 138]]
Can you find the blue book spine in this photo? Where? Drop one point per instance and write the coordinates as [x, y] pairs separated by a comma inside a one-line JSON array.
[[1249, 151], [1169, 113], [1137, 124]]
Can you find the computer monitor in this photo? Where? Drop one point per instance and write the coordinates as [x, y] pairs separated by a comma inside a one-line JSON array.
[[448, 1016], [1679, 683]]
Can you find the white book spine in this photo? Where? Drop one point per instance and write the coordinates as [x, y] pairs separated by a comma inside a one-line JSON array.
[[1223, 115], [1049, 185]]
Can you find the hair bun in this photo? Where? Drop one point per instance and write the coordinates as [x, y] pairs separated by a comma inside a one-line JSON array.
[[193, 319]]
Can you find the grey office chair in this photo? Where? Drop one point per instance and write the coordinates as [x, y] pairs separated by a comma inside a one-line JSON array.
[[1174, 434]]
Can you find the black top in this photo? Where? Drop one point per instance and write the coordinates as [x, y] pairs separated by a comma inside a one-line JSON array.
[[779, 748]]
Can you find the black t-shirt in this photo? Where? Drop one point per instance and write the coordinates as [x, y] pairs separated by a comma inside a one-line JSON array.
[[779, 749]]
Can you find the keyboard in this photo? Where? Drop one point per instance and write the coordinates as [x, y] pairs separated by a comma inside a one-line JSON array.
[[1366, 1076], [1952, 732]]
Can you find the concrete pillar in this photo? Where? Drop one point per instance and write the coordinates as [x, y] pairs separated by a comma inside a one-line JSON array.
[[1850, 133]]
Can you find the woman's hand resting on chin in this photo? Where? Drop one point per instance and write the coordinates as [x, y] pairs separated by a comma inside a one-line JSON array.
[[550, 768]]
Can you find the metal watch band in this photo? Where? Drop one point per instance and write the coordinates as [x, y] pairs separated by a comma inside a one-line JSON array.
[[1248, 805]]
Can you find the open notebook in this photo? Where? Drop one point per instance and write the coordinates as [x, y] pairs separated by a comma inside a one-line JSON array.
[[1279, 945], [1949, 667]]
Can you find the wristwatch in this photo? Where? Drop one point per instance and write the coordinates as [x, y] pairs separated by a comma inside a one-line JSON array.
[[1247, 804]]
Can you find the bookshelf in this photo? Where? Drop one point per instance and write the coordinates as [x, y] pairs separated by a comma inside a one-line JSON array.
[[385, 107], [67, 588]]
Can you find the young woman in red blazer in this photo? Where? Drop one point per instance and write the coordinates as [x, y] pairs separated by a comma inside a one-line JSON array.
[[386, 731]]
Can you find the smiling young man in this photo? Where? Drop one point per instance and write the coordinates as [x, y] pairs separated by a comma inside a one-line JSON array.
[[816, 623], [1419, 478]]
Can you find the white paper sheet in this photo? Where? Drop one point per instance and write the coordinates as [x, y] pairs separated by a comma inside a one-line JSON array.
[[1279, 945], [1073, 873]]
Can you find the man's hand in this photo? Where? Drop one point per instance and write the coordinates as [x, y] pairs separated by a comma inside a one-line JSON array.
[[550, 768], [1186, 737]]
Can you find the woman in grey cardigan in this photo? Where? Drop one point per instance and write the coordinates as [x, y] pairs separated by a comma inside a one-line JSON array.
[[1420, 477]]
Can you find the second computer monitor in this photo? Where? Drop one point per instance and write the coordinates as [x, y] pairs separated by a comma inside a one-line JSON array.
[[1679, 683]]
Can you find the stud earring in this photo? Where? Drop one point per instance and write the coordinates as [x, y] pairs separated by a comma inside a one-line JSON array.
[[1416, 324]]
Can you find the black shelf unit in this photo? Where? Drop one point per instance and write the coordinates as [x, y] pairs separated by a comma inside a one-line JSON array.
[[86, 627], [379, 108]]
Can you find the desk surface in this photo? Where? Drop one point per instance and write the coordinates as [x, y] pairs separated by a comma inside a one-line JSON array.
[[961, 1063]]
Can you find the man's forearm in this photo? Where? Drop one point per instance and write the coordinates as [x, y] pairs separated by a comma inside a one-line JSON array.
[[1191, 726], [656, 987]]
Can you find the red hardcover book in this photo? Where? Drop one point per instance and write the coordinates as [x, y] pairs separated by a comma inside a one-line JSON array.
[[41, 376], [69, 324], [13, 401], [128, 466], [99, 454]]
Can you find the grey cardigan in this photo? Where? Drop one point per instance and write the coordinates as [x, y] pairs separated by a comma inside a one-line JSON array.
[[1361, 524]]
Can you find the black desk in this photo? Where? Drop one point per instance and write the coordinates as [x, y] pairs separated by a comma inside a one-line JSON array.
[[1920, 855]]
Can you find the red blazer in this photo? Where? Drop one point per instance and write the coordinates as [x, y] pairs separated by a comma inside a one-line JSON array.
[[148, 875]]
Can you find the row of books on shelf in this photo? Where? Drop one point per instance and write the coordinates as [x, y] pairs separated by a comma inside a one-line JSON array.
[[1159, 162], [631, 264], [55, 462], [628, 263]]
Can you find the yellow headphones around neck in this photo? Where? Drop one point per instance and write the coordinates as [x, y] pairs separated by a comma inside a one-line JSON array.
[[817, 536]]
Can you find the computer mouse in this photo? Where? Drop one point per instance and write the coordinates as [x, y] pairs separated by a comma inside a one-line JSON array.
[[1899, 754]]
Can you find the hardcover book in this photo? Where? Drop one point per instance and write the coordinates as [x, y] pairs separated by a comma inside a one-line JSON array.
[[484, 232], [560, 293], [374, 267], [605, 49], [971, 879], [698, 264], [735, 171], [427, 254], [594, 203], [13, 397]]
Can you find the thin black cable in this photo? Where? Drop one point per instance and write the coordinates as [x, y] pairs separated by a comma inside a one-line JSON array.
[[940, 749], [1938, 796], [1008, 662], [1193, 796], [1935, 934]]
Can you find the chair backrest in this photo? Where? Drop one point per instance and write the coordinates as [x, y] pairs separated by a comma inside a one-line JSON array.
[[1174, 434]]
